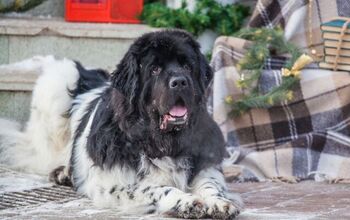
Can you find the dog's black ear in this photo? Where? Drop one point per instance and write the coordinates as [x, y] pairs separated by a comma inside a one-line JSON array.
[[206, 72], [126, 78]]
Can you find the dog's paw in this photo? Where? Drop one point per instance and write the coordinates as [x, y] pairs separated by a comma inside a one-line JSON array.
[[60, 176], [222, 208], [189, 206]]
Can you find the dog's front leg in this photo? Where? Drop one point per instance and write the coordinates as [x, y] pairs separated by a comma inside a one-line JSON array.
[[210, 185], [159, 199]]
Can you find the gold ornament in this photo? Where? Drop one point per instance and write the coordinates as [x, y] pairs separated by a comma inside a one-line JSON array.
[[229, 99], [289, 95], [270, 101], [299, 64]]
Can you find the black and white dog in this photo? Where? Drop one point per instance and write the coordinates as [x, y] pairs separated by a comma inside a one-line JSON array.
[[140, 140]]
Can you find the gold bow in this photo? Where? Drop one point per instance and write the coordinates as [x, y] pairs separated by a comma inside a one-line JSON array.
[[299, 64]]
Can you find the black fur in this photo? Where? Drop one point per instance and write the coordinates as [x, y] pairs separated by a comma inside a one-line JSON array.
[[89, 79], [126, 122], [77, 134], [57, 176]]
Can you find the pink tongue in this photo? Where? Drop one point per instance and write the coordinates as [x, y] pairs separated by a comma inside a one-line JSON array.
[[178, 111]]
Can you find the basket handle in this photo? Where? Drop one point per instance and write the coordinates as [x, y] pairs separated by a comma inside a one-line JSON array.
[[342, 33]]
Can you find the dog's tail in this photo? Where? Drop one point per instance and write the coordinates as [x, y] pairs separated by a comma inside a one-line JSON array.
[[41, 145], [17, 150], [10, 139], [33, 149]]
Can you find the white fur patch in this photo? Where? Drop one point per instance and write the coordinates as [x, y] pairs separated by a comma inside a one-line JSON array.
[[41, 147]]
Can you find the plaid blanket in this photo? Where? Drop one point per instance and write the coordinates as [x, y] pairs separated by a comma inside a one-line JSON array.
[[306, 138], [300, 19]]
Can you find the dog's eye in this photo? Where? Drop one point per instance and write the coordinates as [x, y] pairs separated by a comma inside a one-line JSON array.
[[186, 67], [156, 70]]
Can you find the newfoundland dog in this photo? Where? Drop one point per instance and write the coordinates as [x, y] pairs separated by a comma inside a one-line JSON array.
[[139, 140]]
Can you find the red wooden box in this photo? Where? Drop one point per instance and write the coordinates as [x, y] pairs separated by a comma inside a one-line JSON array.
[[116, 11]]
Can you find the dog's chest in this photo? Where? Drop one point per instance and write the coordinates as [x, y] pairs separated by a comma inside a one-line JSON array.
[[166, 170]]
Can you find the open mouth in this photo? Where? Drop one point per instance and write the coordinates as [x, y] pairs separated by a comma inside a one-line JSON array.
[[176, 116]]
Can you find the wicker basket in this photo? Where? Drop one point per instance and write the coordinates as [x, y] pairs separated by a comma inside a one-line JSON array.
[[336, 36]]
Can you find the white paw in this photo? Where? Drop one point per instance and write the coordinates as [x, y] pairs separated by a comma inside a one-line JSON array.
[[189, 206], [222, 208]]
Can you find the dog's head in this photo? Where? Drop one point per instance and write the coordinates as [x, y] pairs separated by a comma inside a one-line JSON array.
[[162, 79]]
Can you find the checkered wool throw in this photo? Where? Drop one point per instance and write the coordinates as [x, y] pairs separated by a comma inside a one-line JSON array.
[[305, 138]]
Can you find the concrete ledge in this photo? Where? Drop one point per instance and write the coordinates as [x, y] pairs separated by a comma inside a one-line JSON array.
[[15, 96], [58, 27], [95, 45], [15, 105], [21, 76], [16, 82]]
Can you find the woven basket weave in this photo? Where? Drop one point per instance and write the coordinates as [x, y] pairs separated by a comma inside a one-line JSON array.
[[336, 44]]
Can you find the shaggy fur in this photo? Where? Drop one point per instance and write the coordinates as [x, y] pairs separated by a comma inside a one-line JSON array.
[[138, 141]]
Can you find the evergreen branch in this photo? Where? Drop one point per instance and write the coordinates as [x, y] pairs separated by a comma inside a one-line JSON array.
[[277, 94], [205, 16], [267, 42]]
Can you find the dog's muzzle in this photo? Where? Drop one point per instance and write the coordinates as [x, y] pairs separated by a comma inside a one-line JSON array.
[[176, 118]]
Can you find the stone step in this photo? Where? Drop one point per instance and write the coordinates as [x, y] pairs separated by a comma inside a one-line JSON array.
[[94, 45], [16, 84]]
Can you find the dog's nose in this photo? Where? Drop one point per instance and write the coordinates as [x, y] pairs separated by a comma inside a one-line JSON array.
[[177, 82]]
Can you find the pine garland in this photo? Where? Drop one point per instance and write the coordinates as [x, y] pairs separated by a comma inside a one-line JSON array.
[[208, 14], [267, 42]]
